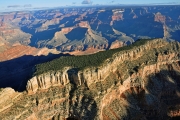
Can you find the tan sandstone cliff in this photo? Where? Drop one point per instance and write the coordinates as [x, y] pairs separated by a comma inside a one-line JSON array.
[[140, 83]]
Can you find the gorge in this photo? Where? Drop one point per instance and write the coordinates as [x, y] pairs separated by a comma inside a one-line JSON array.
[[140, 81]]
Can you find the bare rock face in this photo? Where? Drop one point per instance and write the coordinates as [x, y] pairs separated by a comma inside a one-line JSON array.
[[139, 83], [7, 17], [91, 75], [116, 44], [117, 17], [159, 18], [67, 30], [13, 35], [13, 15], [12, 52], [6, 97], [59, 38], [50, 28], [117, 14], [45, 81], [84, 24], [17, 51]]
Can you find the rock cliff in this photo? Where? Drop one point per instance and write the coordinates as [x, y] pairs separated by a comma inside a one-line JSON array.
[[13, 35], [8, 52], [66, 28], [141, 82]]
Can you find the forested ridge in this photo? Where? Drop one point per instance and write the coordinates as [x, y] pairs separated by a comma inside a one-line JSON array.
[[81, 62]]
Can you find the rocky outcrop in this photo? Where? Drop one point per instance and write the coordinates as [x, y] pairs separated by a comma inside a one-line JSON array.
[[45, 81], [89, 50], [13, 35], [117, 17], [17, 51], [15, 15], [67, 30], [12, 52], [91, 39], [6, 98], [133, 84], [45, 26], [132, 94], [84, 24], [7, 17], [159, 18], [116, 44], [140, 83], [40, 28], [58, 39], [92, 75]]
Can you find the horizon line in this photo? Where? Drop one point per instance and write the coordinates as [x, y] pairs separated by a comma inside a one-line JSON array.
[[88, 5]]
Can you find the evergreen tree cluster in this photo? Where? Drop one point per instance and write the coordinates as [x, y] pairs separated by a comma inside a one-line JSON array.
[[81, 62]]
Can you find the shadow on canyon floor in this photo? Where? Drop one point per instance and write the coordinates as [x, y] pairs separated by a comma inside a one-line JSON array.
[[15, 73], [158, 99], [165, 85]]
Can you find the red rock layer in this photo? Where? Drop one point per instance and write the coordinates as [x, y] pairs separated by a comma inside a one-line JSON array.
[[17, 51]]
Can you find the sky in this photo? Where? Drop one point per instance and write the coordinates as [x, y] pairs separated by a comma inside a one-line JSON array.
[[20, 4]]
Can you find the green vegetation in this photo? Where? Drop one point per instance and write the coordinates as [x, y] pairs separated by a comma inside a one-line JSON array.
[[84, 61]]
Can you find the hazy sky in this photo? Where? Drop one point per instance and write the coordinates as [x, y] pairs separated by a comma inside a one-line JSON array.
[[17, 4]]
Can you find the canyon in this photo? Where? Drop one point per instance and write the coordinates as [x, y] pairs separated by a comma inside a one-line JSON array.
[[140, 81], [86, 30], [70, 29], [90, 63]]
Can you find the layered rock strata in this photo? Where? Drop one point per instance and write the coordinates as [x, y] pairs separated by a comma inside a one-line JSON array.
[[140, 83]]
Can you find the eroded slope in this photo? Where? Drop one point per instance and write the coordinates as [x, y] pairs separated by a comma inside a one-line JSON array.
[[139, 82]]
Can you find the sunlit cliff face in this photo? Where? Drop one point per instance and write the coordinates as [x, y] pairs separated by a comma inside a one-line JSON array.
[[141, 82], [46, 72], [59, 28]]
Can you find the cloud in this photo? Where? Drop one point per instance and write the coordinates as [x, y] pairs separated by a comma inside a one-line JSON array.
[[87, 2], [13, 6], [28, 5], [74, 3], [166, 3], [19, 6]]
